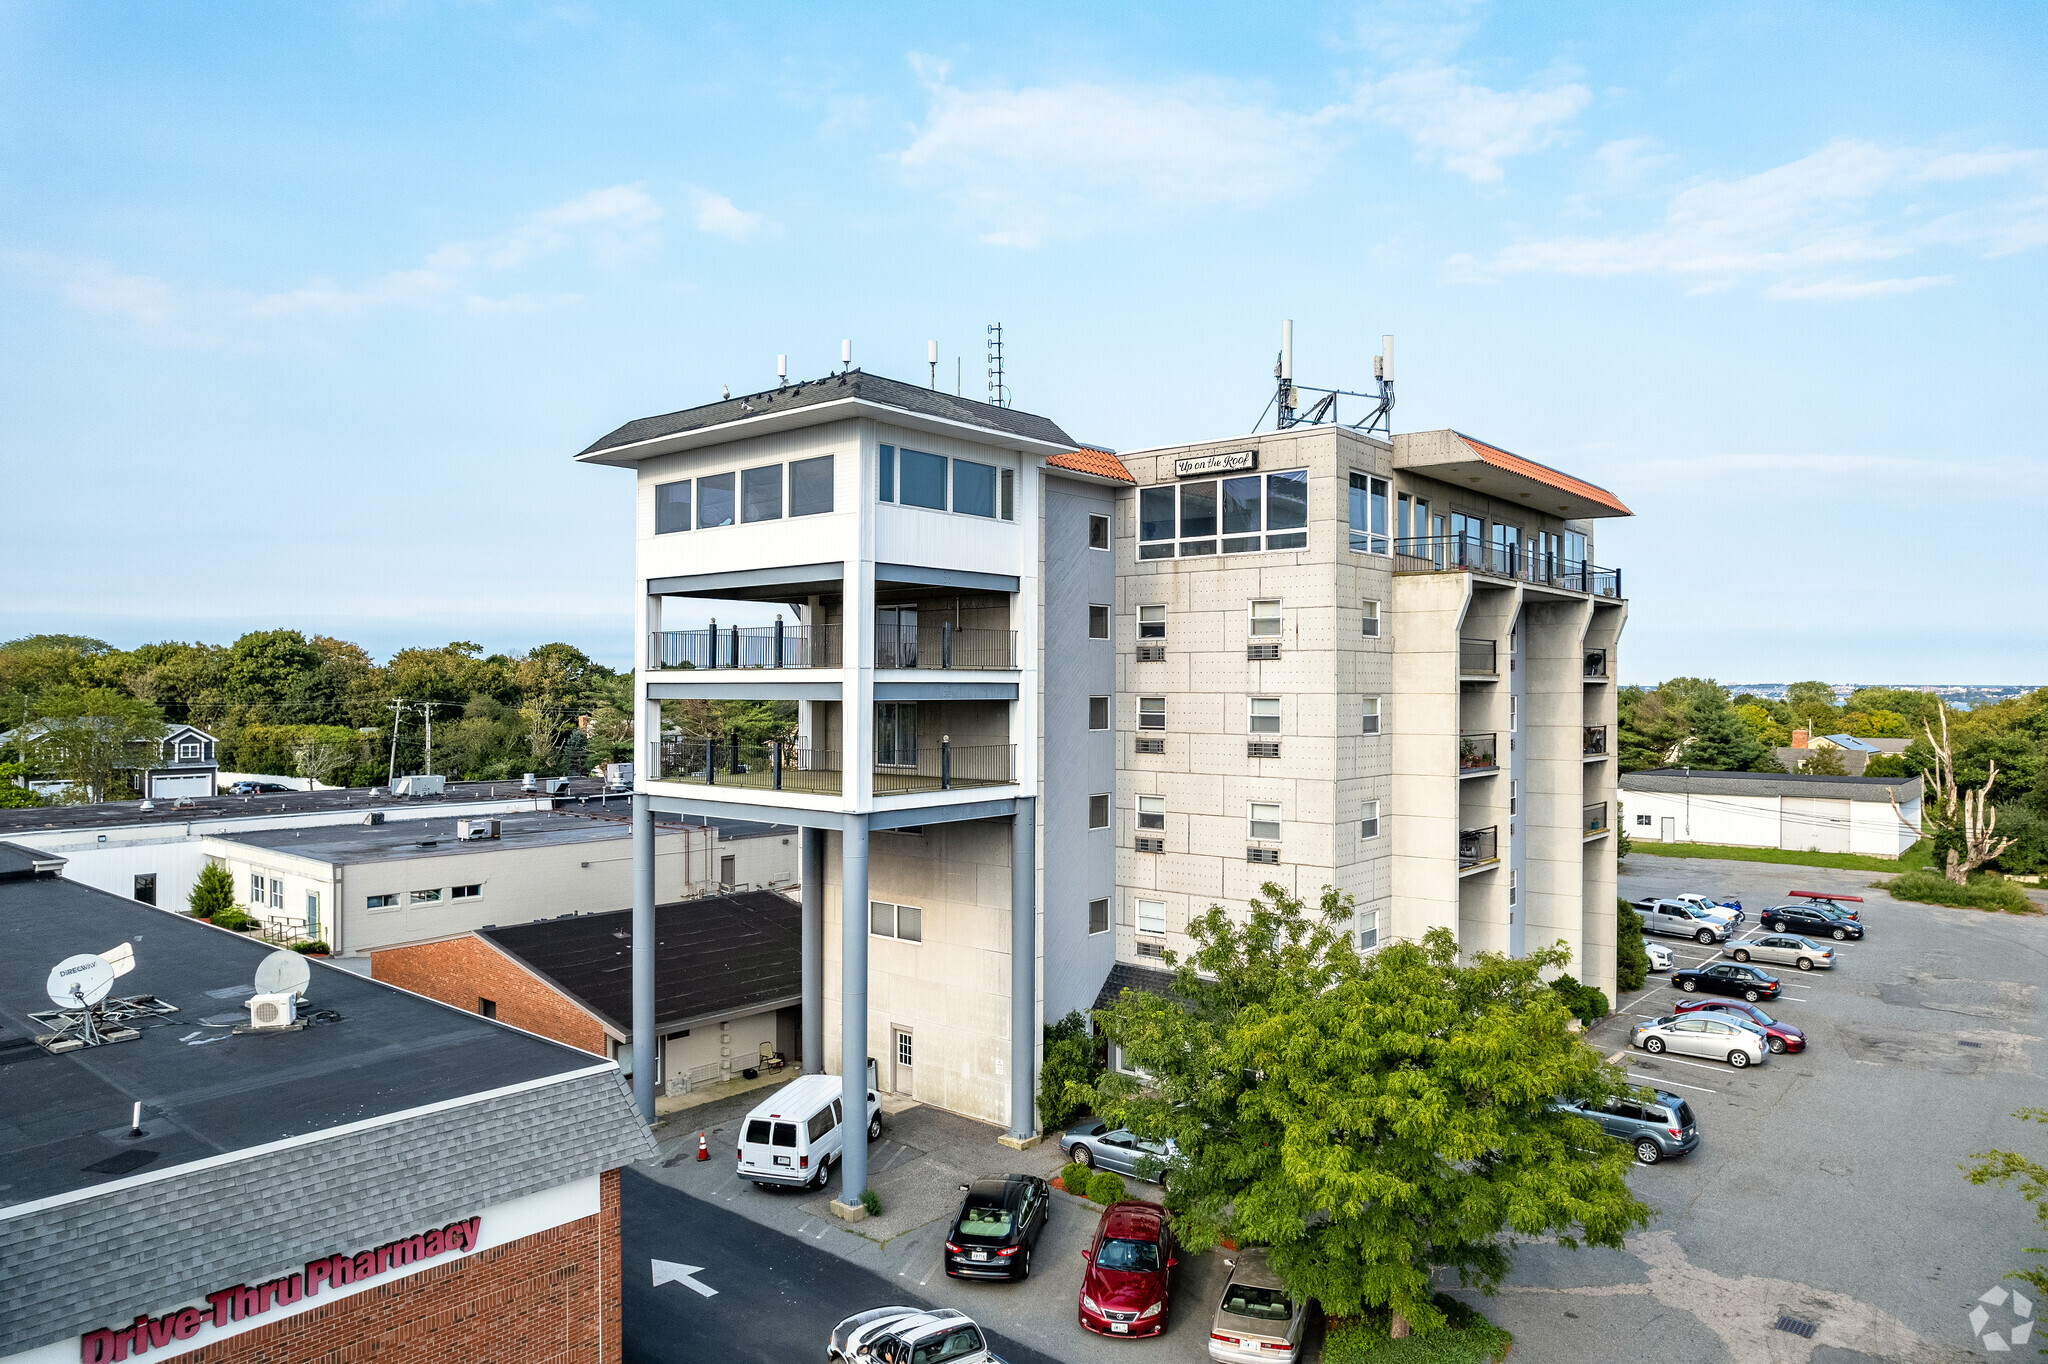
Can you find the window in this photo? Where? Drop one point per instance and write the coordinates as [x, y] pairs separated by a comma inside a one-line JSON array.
[[1369, 722], [1098, 917], [1098, 622], [1643, 820], [671, 507], [1009, 495], [1151, 622], [1151, 712], [714, 501], [1237, 509], [145, 887], [1265, 822], [881, 919], [1514, 713], [188, 750], [1370, 622], [426, 897], [1574, 550], [1507, 542], [885, 466], [761, 493], [1151, 812], [974, 488], [1152, 917], [1514, 798], [487, 1007], [1098, 532], [383, 901], [1098, 812], [1368, 514], [1468, 537], [895, 733], [1369, 827], [909, 923], [276, 893], [1511, 887], [1098, 712], [820, 1123], [1368, 929], [1265, 619], [465, 892], [313, 913], [810, 486], [255, 887], [1265, 715], [921, 479]]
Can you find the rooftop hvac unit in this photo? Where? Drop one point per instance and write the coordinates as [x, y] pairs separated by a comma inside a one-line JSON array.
[[470, 830], [557, 786], [374, 817], [273, 1012]]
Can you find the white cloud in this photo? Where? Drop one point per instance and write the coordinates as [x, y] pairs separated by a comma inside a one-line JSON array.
[[94, 286], [1628, 160], [1470, 128], [717, 216], [1056, 161], [1811, 226]]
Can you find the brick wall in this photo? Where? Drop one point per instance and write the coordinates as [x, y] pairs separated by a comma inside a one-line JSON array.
[[550, 1297], [464, 971]]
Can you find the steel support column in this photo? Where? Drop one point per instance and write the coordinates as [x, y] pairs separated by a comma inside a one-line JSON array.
[[1023, 968], [643, 957], [813, 868], [853, 1006]]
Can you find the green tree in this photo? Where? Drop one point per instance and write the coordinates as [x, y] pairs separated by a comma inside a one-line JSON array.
[[1812, 704], [1652, 729], [1762, 724], [1878, 724], [93, 736], [212, 893], [1073, 1062], [1369, 1119], [1631, 958], [265, 664], [2012, 1168], [1823, 762], [14, 791], [1720, 741], [1887, 765]]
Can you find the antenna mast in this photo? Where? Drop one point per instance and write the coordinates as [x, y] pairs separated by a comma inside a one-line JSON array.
[[998, 392], [1286, 401]]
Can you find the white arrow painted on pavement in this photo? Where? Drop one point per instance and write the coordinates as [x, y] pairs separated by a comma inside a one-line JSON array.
[[664, 1272]]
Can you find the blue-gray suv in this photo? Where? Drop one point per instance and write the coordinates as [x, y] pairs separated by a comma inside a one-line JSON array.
[[1657, 1129]]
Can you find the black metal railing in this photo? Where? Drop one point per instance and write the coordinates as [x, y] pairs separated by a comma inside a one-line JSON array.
[[753, 646], [1452, 553], [1477, 847], [1594, 819], [1478, 656], [1596, 663], [944, 646], [1595, 745], [1476, 753], [749, 764], [946, 766]]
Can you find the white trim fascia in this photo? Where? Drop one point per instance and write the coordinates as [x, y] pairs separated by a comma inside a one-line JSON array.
[[818, 414]]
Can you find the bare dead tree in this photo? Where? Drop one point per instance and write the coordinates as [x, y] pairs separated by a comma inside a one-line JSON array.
[[1966, 812]]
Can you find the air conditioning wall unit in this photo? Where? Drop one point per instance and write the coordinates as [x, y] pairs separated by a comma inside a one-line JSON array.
[[470, 830], [273, 1012]]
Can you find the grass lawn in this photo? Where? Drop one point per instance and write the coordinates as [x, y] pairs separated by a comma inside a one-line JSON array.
[[1919, 857]]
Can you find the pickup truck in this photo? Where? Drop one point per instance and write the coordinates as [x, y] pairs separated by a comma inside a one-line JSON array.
[[1677, 919]]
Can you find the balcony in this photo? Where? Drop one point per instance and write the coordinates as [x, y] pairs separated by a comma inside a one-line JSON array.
[[1478, 847], [1476, 755], [944, 646], [733, 646], [1470, 554], [786, 766], [1477, 658], [1593, 819], [1594, 745], [1596, 664]]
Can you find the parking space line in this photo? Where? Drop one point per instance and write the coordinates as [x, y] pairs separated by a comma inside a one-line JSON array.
[[1667, 1056], [1660, 1080]]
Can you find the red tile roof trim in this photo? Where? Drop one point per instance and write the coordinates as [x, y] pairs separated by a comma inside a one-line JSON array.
[[1100, 463], [1543, 473]]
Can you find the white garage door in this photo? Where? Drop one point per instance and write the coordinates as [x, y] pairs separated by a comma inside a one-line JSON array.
[[1813, 825], [171, 784]]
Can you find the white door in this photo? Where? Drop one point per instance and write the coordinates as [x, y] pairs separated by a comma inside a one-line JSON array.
[[903, 1080], [1669, 832]]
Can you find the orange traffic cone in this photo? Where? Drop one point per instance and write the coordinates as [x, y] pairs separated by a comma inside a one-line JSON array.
[[703, 1149]]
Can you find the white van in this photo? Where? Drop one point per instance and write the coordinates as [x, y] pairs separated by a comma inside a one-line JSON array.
[[795, 1136]]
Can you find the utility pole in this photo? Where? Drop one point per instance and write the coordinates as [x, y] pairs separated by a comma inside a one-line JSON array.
[[428, 708], [397, 715]]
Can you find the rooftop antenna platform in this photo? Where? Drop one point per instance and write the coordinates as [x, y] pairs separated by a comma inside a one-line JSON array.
[[1289, 396], [85, 1016]]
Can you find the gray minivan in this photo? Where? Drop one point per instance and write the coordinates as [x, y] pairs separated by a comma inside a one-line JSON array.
[[1664, 1127]]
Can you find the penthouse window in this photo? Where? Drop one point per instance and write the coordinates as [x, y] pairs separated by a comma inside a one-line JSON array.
[[1369, 514], [671, 507], [761, 493], [913, 478], [747, 496], [1257, 512]]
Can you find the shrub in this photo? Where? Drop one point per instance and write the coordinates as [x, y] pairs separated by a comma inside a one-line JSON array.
[[1106, 1187], [235, 920], [1631, 958], [1466, 1337], [1983, 892], [1074, 1178], [1585, 1001], [310, 947], [213, 892], [872, 1201], [1073, 1062]]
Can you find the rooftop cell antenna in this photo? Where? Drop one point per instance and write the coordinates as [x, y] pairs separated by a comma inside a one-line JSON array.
[[931, 357], [782, 371], [1284, 397], [846, 355], [1287, 394], [998, 391]]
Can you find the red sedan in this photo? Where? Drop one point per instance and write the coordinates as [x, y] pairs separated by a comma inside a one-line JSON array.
[[1130, 1268], [1782, 1037]]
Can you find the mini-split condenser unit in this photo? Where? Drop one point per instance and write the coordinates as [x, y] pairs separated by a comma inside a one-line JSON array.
[[273, 1011], [469, 830]]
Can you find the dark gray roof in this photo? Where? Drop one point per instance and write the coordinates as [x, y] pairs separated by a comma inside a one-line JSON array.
[[719, 956], [17, 861], [1799, 784], [399, 840], [1151, 980], [267, 1149], [853, 384], [124, 813]]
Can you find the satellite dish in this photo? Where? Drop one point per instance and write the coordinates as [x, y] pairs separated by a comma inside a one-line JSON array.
[[283, 973], [121, 957], [79, 981]]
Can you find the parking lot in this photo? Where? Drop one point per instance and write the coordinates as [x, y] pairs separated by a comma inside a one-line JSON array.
[[1826, 1185]]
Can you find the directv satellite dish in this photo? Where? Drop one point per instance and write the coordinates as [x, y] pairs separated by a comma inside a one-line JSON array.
[[283, 973], [80, 981]]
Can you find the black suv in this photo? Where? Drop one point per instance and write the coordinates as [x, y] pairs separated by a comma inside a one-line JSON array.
[[1812, 919], [1656, 1130]]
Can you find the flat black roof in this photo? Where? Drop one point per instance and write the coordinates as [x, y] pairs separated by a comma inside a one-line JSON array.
[[833, 388], [204, 1090], [127, 812], [719, 956], [398, 840]]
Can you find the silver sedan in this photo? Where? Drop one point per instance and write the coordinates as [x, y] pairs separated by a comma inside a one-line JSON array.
[[1698, 1034], [1788, 949]]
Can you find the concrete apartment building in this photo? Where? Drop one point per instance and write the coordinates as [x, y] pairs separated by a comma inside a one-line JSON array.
[[1052, 701]]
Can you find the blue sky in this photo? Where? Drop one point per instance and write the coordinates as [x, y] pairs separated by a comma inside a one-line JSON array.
[[306, 308]]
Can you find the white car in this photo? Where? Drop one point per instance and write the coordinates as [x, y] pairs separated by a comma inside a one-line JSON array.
[[1788, 949], [1730, 910], [1702, 1034], [909, 1335], [1660, 955]]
